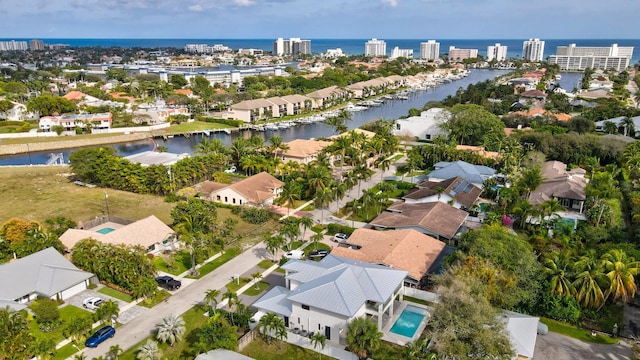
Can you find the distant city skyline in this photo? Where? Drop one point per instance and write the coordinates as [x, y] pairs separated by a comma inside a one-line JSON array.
[[391, 19]]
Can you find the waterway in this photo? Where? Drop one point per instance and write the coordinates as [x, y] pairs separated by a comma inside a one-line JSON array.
[[391, 109]]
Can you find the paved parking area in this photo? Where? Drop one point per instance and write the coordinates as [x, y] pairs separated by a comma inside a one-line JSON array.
[[124, 317], [559, 347]]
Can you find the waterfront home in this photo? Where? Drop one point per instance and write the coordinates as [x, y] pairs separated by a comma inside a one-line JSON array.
[[257, 190], [18, 112], [328, 97], [45, 273], [475, 174], [150, 233], [442, 221], [323, 297], [251, 110], [302, 151], [456, 191], [148, 158], [409, 250], [69, 122], [424, 127]]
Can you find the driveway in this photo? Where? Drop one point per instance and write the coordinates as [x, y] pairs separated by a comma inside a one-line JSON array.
[[124, 317], [554, 346]]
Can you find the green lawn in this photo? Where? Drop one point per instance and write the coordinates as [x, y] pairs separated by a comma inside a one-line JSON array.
[[577, 333], [193, 126], [216, 263], [234, 285], [316, 246], [67, 350], [180, 262], [66, 313], [156, 299], [265, 264], [417, 301], [252, 291], [116, 294], [278, 350], [294, 245]]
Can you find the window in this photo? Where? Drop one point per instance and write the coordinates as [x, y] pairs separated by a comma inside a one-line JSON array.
[[234, 200], [226, 199], [218, 197], [305, 307]]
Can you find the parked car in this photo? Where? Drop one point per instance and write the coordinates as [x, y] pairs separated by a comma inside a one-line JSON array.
[[231, 170], [317, 254], [168, 282], [92, 303], [340, 238], [99, 336], [295, 254]]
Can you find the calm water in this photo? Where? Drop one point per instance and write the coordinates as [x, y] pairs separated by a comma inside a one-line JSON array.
[[389, 110]]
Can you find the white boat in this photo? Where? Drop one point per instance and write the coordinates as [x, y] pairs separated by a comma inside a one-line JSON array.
[[271, 127]]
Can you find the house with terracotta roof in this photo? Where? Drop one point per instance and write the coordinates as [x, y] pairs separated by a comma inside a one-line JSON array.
[[442, 221], [45, 273], [480, 150], [150, 233], [455, 191], [303, 151], [409, 250], [566, 186], [257, 190], [323, 297]]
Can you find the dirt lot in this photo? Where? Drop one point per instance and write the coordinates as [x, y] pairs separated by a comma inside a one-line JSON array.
[[554, 346]]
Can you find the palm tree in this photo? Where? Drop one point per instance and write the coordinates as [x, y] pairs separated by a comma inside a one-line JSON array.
[[232, 299], [384, 165], [108, 310], [289, 193], [78, 328], [558, 269], [315, 238], [274, 243], [363, 337], [256, 276], [318, 340], [322, 197], [269, 323], [529, 180], [211, 298], [621, 270], [549, 208], [170, 329], [629, 126], [306, 223], [610, 127], [149, 351], [114, 352], [590, 282]]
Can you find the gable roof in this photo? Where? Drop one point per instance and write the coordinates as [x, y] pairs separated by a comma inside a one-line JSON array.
[[407, 249], [46, 272], [472, 173], [336, 284], [435, 217], [257, 188], [144, 232], [458, 188]]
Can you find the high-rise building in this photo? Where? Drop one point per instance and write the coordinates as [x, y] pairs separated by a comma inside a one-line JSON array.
[[405, 53], [293, 47], [497, 52], [574, 57], [461, 54], [35, 45], [430, 50], [13, 45], [533, 49], [375, 47]]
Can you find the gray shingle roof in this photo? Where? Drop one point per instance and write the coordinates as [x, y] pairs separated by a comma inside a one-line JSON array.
[[45, 272], [472, 173]]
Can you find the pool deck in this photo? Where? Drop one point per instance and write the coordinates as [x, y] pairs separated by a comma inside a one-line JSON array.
[[387, 335]]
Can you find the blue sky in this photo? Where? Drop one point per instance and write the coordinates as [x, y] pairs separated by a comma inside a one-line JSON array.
[[410, 19]]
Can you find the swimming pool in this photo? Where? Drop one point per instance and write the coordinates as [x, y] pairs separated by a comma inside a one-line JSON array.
[[409, 321], [105, 230]]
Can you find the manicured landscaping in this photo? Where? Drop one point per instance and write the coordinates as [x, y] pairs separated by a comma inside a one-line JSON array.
[[265, 264], [116, 294], [577, 333], [175, 266], [252, 291], [156, 299], [294, 245], [67, 350], [216, 263], [66, 314], [316, 246], [236, 284], [278, 350], [193, 126]]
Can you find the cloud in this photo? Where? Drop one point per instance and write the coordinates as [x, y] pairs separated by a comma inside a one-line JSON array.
[[392, 3], [195, 7], [243, 2]]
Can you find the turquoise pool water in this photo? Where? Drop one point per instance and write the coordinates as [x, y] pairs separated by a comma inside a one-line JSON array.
[[105, 230], [408, 321]]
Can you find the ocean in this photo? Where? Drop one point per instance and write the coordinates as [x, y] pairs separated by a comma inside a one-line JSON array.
[[351, 46]]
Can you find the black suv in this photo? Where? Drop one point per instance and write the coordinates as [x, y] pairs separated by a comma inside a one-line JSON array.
[[168, 282]]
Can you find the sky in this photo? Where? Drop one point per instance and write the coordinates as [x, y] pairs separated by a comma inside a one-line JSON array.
[[317, 19]]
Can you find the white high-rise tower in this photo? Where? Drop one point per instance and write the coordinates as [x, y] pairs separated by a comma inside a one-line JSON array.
[[533, 50]]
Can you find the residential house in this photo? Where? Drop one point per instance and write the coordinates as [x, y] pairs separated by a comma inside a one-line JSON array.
[[148, 158], [456, 191], [45, 273], [409, 250], [251, 110], [257, 190], [568, 187], [328, 97], [150, 233], [303, 151], [298, 104], [97, 122], [18, 113], [475, 174], [364, 89], [280, 107], [619, 122], [325, 296], [523, 333], [424, 127], [436, 219]]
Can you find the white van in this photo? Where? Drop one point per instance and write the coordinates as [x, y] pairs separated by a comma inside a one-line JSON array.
[[295, 254]]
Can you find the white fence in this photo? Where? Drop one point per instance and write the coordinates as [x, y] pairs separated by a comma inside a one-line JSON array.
[[421, 294]]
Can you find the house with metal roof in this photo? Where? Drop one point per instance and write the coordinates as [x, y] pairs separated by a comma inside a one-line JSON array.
[[475, 174], [324, 296], [45, 273], [523, 333]]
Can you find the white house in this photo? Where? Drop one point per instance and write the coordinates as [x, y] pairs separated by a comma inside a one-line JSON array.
[[324, 296], [259, 189], [455, 191], [424, 127], [45, 273], [18, 113]]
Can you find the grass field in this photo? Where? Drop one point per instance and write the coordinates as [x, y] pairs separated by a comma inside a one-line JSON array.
[[279, 350], [191, 126], [44, 192], [116, 294], [577, 333]]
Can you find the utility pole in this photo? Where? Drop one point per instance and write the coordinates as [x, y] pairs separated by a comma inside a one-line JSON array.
[[106, 201]]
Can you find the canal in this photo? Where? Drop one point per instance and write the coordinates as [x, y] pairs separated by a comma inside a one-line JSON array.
[[391, 109]]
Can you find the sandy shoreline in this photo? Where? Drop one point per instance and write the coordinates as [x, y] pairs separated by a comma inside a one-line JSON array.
[[13, 149]]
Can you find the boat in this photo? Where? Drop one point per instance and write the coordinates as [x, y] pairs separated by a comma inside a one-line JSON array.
[[272, 127]]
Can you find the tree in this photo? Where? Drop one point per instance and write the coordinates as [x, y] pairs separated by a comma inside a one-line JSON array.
[[47, 105], [5, 105], [315, 238], [256, 276], [307, 223], [45, 310], [78, 328], [217, 333], [114, 352], [15, 335], [274, 243], [465, 326], [211, 298], [272, 326], [44, 348], [629, 126], [590, 281], [170, 329], [610, 127], [529, 180], [149, 351], [621, 270], [558, 267], [363, 337], [318, 340], [107, 310], [470, 124], [290, 192]]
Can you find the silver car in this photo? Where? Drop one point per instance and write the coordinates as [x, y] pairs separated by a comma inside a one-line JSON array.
[[340, 238]]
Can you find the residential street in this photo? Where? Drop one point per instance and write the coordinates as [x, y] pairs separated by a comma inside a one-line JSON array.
[[130, 334], [554, 346]]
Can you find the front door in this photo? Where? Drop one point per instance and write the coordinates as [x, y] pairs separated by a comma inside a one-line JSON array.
[[327, 332]]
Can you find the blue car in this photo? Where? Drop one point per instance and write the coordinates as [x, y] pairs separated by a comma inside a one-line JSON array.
[[99, 336]]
